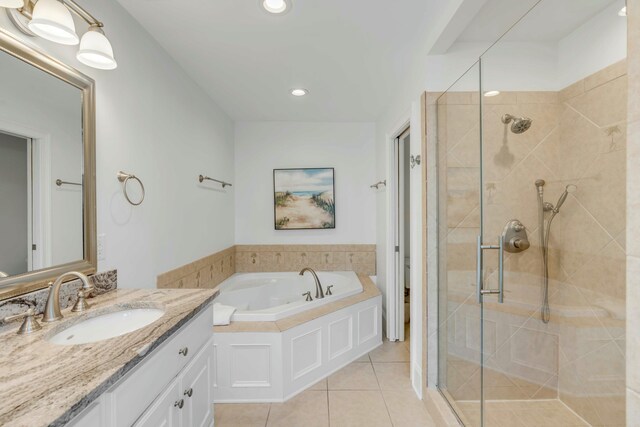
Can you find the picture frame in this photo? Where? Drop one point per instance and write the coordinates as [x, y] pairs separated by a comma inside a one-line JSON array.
[[304, 198]]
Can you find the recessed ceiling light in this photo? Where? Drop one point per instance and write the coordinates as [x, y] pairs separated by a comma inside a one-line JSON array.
[[491, 93], [299, 92], [623, 11], [277, 7]]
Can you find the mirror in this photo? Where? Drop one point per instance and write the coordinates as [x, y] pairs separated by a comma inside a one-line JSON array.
[[47, 178]]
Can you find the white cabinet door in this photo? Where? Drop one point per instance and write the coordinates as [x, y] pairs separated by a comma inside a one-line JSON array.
[[197, 390], [90, 417], [167, 410]]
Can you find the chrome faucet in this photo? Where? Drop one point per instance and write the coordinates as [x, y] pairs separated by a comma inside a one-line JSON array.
[[319, 292], [52, 308]]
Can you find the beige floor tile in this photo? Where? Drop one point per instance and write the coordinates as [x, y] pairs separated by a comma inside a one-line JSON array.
[[358, 409], [308, 409], [363, 359], [356, 376], [320, 385], [406, 409], [503, 419], [390, 352], [241, 414], [393, 376]]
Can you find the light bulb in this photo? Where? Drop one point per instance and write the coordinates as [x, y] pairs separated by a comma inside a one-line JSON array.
[[299, 92], [275, 6]]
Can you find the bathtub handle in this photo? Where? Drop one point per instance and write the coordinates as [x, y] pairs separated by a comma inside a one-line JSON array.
[[308, 295], [329, 290]]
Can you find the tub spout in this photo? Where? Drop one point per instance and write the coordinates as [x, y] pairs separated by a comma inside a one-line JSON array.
[[319, 292]]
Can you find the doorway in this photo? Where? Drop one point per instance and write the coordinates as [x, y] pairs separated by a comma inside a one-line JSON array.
[[402, 233], [15, 226]]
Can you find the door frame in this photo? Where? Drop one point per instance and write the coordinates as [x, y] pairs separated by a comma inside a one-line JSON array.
[[413, 119], [392, 303]]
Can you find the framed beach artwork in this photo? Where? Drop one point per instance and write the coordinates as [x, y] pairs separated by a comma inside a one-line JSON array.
[[304, 199]]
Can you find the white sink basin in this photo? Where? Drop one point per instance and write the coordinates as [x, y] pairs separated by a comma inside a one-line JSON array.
[[107, 326]]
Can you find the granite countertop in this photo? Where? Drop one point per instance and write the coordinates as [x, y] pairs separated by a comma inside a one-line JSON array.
[[44, 384]]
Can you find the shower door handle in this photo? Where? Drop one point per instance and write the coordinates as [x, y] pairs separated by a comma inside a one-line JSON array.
[[480, 291]]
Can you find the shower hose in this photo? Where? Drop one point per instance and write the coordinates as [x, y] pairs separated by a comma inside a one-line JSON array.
[[545, 312]]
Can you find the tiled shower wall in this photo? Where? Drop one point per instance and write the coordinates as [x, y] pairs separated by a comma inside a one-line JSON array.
[[633, 214], [589, 236], [578, 137], [212, 270]]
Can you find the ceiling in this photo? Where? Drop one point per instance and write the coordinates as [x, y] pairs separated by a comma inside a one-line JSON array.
[[549, 21], [349, 54]]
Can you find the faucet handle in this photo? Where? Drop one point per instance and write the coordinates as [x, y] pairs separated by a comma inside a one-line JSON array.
[[329, 290], [30, 323], [81, 303], [308, 295]]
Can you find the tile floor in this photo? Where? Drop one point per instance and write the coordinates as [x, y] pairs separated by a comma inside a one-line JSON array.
[[373, 391], [522, 413]]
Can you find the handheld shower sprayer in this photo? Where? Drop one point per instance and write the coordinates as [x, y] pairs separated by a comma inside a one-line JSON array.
[[545, 312], [563, 197]]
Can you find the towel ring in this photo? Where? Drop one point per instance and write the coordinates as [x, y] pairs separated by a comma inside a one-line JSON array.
[[124, 179]]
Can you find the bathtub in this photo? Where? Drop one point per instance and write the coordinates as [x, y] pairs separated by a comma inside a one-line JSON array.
[[260, 358], [267, 297]]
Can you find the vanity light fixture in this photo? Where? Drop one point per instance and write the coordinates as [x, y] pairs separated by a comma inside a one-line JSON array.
[[52, 20], [299, 92], [276, 7], [491, 93]]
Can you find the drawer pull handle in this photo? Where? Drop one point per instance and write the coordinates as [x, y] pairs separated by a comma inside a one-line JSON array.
[[184, 351], [188, 392], [179, 403]]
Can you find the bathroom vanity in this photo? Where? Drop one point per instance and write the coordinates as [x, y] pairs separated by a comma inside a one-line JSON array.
[[159, 374]]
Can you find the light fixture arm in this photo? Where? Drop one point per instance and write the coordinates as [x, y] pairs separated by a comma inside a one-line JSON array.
[[82, 13]]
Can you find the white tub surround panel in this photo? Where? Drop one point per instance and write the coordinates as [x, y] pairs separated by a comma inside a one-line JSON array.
[[275, 366], [273, 361]]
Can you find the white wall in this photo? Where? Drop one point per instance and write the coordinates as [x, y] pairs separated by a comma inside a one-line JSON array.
[[152, 120], [264, 146], [599, 42]]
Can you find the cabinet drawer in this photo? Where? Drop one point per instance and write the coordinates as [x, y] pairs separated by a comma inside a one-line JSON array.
[[135, 393]]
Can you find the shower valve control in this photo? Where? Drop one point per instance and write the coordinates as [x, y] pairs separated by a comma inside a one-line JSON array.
[[515, 237]]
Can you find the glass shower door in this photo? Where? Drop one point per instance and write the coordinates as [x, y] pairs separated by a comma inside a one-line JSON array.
[[460, 314]]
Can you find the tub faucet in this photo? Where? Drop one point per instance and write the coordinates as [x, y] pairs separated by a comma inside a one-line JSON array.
[[319, 292]]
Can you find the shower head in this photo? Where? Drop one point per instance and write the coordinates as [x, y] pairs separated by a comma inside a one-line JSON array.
[[563, 197], [518, 124]]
